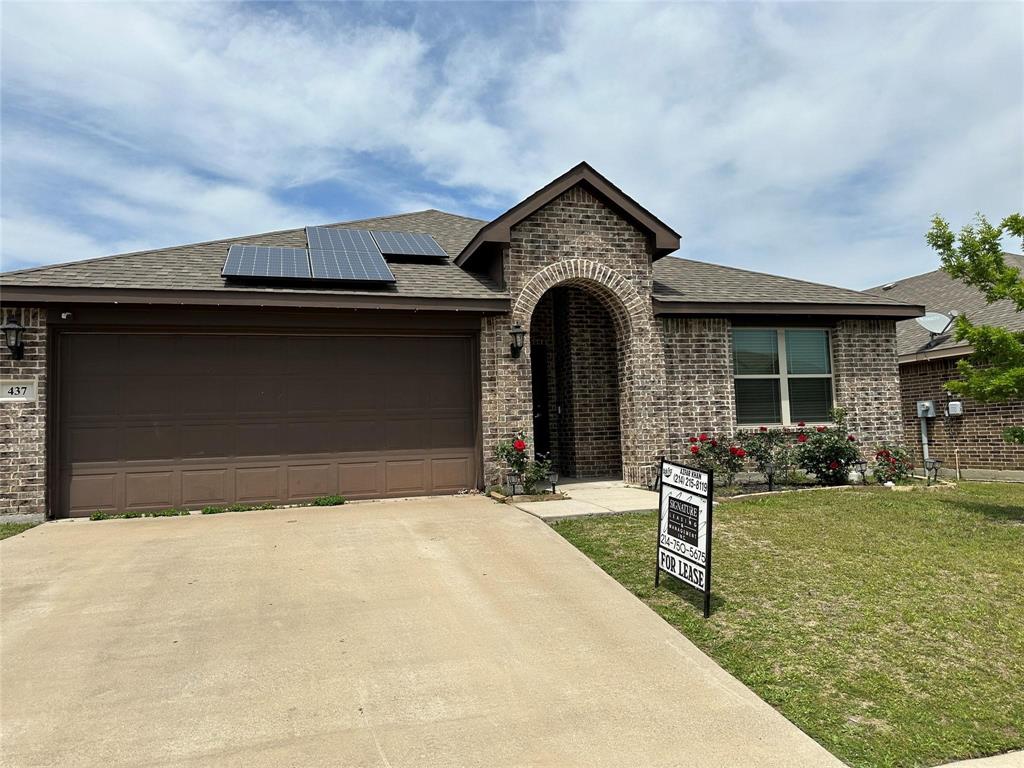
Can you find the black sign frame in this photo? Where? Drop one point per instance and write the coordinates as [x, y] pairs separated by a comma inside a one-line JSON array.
[[657, 541]]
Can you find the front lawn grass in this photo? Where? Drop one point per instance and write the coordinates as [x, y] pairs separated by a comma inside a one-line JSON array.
[[13, 529], [888, 626]]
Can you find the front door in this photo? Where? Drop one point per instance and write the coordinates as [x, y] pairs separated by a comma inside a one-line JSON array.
[[541, 416]]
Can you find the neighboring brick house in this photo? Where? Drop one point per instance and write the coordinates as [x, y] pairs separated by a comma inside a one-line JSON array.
[[974, 440], [175, 377]]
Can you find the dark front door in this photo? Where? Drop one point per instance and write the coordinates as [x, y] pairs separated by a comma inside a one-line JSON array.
[[541, 415]]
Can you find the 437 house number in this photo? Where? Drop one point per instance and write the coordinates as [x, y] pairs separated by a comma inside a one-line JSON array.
[[17, 390]]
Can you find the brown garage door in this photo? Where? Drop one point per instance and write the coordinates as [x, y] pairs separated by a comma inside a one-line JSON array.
[[156, 420]]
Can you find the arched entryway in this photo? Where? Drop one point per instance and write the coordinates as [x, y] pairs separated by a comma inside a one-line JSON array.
[[606, 299], [576, 358]]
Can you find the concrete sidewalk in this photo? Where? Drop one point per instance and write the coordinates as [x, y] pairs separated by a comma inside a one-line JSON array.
[[588, 498], [432, 632]]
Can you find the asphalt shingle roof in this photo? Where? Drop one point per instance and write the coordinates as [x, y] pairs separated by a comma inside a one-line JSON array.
[[198, 266], [678, 279], [939, 292]]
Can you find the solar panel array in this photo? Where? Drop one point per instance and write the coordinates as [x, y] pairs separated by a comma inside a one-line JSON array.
[[407, 244], [350, 265], [334, 253], [267, 261]]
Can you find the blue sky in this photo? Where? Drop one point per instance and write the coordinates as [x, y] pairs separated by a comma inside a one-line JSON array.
[[811, 140]]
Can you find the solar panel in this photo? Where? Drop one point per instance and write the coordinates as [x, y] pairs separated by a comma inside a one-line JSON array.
[[267, 261], [335, 239], [350, 265], [407, 244]]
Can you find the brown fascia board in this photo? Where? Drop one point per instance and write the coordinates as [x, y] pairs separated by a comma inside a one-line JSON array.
[[666, 239], [896, 311], [936, 354], [23, 294]]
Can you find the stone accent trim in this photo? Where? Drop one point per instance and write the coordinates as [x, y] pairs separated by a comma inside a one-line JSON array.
[[23, 425]]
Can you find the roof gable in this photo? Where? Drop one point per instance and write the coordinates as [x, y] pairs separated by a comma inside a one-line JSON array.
[[499, 231]]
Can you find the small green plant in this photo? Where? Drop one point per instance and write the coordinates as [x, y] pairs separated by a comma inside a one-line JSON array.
[[328, 501], [828, 452], [536, 474], [713, 454], [771, 451], [132, 513], [100, 515], [892, 464], [213, 509], [169, 512]]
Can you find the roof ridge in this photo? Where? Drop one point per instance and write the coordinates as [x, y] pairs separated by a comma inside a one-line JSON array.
[[216, 241], [897, 281], [781, 277]]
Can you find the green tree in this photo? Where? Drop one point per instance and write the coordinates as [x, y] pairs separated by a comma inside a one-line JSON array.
[[995, 370]]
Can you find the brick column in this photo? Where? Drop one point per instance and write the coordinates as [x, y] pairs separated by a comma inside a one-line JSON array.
[[23, 425], [867, 379]]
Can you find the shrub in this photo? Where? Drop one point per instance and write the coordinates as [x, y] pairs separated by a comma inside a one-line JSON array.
[[721, 457], [328, 501], [770, 448], [515, 454], [892, 463], [828, 452]]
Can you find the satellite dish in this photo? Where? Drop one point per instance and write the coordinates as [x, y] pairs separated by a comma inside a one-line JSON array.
[[935, 323]]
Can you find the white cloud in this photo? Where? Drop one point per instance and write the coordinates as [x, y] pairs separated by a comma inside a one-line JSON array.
[[811, 140]]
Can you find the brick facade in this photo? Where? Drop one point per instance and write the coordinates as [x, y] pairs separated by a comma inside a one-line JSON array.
[[698, 380], [23, 425], [578, 240], [866, 379], [976, 437]]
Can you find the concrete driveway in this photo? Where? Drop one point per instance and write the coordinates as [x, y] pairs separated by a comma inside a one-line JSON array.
[[434, 632]]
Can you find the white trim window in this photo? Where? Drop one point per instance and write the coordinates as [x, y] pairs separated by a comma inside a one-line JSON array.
[[782, 375]]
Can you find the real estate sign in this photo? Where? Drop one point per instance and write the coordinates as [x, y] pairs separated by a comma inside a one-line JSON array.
[[684, 527]]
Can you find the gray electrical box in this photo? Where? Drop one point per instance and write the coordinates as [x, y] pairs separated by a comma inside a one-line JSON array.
[[955, 408], [926, 409]]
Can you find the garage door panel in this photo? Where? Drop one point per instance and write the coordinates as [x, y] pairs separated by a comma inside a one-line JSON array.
[[146, 442], [258, 483], [149, 489], [94, 492], [207, 440], [359, 480], [259, 438], [206, 486], [150, 396], [450, 474], [305, 437], [310, 481], [148, 420], [91, 444], [408, 476]]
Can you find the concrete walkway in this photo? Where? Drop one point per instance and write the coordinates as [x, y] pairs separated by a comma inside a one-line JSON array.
[[433, 632], [1009, 760], [592, 497]]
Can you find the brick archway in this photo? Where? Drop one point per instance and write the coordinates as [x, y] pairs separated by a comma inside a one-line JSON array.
[[641, 376]]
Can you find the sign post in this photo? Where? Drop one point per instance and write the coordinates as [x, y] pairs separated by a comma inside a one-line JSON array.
[[684, 527]]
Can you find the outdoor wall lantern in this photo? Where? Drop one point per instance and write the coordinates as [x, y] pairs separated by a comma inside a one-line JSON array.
[[13, 331], [518, 339]]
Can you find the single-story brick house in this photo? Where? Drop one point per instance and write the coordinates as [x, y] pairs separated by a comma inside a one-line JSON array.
[[169, 377], [972, 440]]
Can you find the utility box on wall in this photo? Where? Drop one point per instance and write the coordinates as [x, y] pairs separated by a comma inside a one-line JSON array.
[[926, 409], [955, 408]]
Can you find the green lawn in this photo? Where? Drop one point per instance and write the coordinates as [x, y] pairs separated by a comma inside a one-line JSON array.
[[889, 626], [13, 529]]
